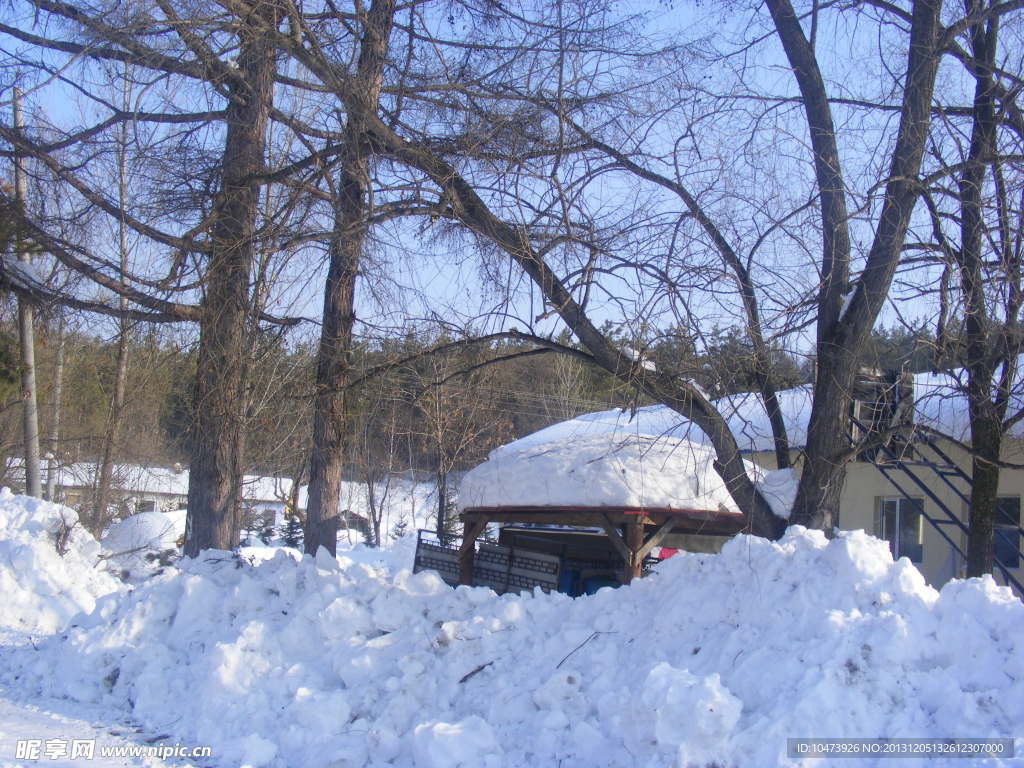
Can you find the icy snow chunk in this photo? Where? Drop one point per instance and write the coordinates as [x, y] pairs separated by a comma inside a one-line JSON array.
[[469, 743], [42, 589], [130, 544], [325, 560], [688, 710], [343, 618], [322, 711], [256, 751], [560, 689]]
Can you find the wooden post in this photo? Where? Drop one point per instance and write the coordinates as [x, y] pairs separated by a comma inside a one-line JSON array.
[[467, 551], [634, 541]]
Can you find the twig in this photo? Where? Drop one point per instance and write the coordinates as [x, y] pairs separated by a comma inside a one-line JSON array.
[[570, 653], [468, 675]]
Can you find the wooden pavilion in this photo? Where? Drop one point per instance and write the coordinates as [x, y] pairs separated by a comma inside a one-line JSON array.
[[632, 531]]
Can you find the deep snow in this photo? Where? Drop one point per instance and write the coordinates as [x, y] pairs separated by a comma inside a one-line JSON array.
[[613, 469], [40, 589], [716, 659]]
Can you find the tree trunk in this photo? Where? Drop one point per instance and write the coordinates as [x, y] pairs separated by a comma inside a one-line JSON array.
[[334, 361], [101, 515], [985, 416], [53, 440], [219, 401], [986, 437], [828, 429], [842, 336], [350, 226], [26, 336], [442, 501]]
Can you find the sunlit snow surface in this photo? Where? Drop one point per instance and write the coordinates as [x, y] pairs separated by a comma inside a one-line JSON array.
[[715, 659], [617, 469]]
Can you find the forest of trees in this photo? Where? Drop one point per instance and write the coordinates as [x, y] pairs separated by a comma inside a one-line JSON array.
[[308, 198]]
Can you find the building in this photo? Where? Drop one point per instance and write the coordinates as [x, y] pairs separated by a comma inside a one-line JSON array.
[[150, 489], [266, 501], [910, 485]]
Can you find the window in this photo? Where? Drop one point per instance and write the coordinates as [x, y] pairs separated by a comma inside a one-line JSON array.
[[145, 505], [900, 521], [269, 518], [1007, 533]]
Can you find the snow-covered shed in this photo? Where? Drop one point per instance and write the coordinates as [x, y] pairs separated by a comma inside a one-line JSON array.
[[914, 492], [639, 489]]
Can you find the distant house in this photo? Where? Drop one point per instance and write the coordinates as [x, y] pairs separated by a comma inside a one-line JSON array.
[[911, 487], [265, 500], [153, 489]]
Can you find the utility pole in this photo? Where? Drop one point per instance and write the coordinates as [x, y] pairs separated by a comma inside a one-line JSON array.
[[26, 337]]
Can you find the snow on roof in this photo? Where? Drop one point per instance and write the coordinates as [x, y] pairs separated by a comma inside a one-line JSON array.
[[939, 403], [654, 457], [608, 470], [744, 412], [162, 481]]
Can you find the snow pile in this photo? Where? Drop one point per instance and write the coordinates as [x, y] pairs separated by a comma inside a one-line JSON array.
[[41, 589], [133, 544], [614, 470], [716, 659]]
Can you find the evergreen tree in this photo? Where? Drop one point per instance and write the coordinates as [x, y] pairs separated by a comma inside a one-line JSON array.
[[400, 528], [291, 533]]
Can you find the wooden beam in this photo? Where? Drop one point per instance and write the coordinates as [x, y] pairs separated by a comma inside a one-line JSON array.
[[634, 541], [655, 539], [593, 518], [467, 550], [615, 537]]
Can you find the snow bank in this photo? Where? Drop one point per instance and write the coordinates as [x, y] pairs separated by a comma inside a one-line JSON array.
[[40, 589], [716, 659], [131, 544]]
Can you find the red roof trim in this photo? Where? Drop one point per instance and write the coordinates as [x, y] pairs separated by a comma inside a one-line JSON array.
[[714, 514]]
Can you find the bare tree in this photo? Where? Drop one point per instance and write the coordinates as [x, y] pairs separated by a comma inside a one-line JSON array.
[[975, 205], [26, 332], [115, 412], [351, 219]]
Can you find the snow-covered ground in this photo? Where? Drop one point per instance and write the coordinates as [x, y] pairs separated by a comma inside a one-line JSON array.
[[67, 734], [273, 659]]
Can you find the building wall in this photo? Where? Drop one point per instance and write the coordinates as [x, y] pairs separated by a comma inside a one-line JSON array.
[[866, 486]]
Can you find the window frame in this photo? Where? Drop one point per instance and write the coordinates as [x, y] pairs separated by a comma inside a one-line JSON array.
[[896, 544], [1007, 530]]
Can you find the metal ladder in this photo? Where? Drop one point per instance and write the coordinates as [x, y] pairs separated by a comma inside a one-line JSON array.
[[896, 468]]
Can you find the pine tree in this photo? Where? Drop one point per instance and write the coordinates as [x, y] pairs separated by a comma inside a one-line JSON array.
[[291, 533], [400, 528]]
